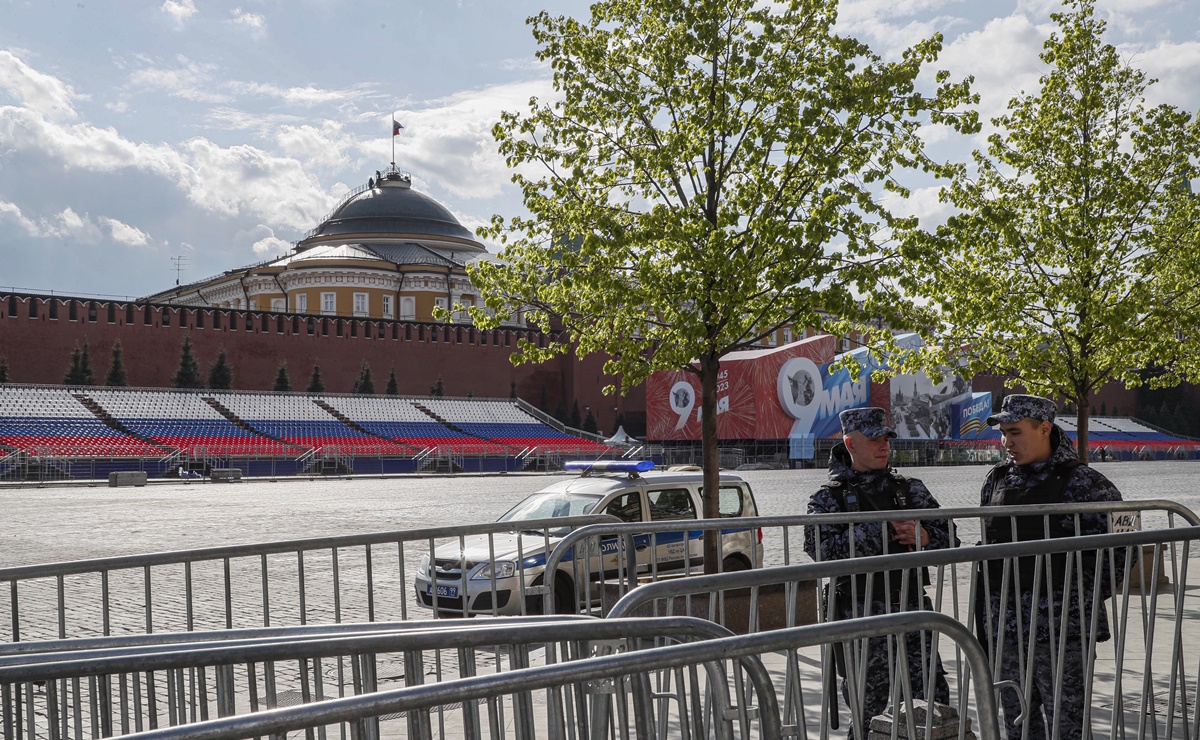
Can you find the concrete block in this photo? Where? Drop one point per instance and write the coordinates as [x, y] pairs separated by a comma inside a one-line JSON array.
[[225, 475], [121, 478]]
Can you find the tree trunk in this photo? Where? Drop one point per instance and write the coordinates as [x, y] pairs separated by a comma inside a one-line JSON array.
[[1081, 424], [709, 367]]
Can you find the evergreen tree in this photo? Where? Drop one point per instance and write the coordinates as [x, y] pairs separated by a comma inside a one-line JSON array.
[[3, 370], [364, 385], [393, 388], [512, 389], [439, 388], [315, 384], [116, 368], [576, 418], [544, 403], [283, 383], [72, 376], [620, 422], [86, 375], [188, 374], [589, 423], [560, 411], [220, 374]]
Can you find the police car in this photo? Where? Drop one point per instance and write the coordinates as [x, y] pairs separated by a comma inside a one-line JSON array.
[[465, 572]]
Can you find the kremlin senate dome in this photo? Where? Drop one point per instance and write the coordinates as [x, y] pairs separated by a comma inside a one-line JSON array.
[[385, 251]]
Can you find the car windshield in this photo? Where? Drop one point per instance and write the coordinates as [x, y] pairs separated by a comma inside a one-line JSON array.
[[550, 505]]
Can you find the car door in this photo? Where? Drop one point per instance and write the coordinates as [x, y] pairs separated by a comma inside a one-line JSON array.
[[628, 507], [671, 552]]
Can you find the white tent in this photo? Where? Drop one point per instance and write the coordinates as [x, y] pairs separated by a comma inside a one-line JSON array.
[[620, 438]]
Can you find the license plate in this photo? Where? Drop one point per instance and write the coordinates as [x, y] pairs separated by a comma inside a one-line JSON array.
[[444, 592]]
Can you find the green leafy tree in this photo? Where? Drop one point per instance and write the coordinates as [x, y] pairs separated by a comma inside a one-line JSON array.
[[708, 172], [188, 373], [283, 383], [315, 383], [393, 388], [439, 388], [364, 385], [116, 368], [220, 373], [1071, 260]]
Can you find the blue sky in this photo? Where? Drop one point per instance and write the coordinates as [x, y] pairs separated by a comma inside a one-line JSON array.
[[132, 132]]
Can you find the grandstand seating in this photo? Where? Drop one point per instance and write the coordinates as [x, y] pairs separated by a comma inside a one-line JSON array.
[[122, 422], [1120, 432], [52, 422], [184, 421], [506, 423]]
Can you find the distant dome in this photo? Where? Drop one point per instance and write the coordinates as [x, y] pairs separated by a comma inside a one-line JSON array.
[[388, 208]]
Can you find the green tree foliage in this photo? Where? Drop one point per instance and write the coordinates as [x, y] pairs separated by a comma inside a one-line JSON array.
[[439, 388], [116, 368], [708, 172], [1072, 259], [80, 371], [364, 385], [393, 388], [188, 374], [315, 383], [220, 373], [283, 383]]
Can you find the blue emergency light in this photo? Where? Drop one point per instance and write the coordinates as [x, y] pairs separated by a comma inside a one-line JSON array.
[[610, 466]]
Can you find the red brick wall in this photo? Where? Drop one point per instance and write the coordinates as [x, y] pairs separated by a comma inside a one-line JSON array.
[[38, 350]]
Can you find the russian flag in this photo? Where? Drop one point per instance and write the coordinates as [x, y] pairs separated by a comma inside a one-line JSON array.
[[396, 127]]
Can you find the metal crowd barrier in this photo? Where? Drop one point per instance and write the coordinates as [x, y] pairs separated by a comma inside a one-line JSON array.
[[618, 681], [1137, 684], [784, 537], [354, 578], [123, 685]]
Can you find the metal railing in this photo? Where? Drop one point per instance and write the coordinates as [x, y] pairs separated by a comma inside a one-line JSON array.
[[601, 679], [363, 578], [1137, 683], [631, 561]]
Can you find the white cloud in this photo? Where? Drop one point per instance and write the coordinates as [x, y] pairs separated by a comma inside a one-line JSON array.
[[187, 80], [12, 212], [450, 139], [35, 90], [1009, 66], [255, 23], [1176, 66], [323, 145], [246, 180], [306, 96], [272, 245], [124, 233], [179, 11]]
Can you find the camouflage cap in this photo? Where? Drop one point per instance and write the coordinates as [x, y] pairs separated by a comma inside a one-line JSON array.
[[1019, 406], [871, 421]]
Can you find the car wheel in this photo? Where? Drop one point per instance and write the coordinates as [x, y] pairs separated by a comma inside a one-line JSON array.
[[564, 596], [731, 564]]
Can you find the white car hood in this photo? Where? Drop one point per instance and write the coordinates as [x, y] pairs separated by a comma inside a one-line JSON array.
[[481, 549]]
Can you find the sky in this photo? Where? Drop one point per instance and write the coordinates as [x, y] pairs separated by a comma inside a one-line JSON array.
[[135, 133]]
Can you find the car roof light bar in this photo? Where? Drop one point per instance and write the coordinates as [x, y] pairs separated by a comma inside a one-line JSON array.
[[610, 466]]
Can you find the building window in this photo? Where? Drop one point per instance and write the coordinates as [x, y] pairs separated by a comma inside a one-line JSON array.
[[408, 308], [787, 335], [440, 302], [253, 304], [360, 304], [277, 305], [302, 303], [387, 307], [328, 303]]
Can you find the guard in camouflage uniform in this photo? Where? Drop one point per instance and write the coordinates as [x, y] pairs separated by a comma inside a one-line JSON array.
[[1043, 468], [861, 480]]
